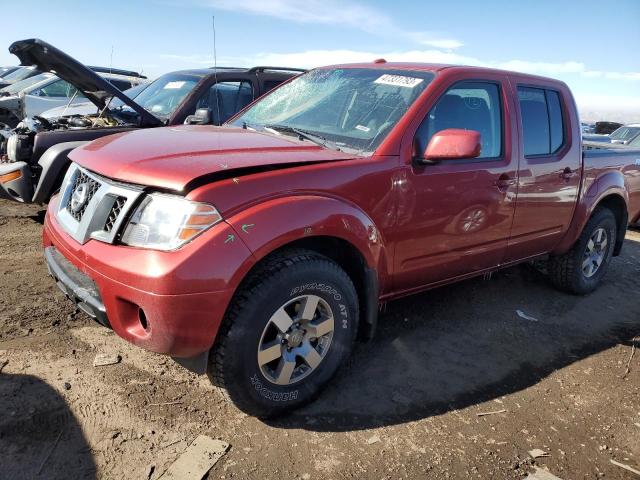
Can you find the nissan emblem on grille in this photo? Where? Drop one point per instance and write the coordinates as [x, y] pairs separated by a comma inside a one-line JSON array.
[[93, 207], [79, 197], [83, 190]]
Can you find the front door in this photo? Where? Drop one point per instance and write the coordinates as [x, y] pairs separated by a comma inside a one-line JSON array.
[[455, 216]]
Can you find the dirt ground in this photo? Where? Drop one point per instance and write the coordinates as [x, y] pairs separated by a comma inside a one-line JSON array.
[[406, 406]]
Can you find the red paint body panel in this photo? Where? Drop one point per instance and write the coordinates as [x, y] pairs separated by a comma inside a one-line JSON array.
[[174, 156], [183, 294], [409, 221]]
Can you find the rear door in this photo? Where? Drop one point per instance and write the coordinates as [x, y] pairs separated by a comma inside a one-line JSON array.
[[549, 173]]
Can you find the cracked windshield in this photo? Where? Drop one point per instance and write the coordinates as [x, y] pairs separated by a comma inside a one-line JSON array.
[[346, 109]]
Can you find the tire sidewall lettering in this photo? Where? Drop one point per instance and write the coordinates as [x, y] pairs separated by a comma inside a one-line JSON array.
[[322, 287], [283, 394]]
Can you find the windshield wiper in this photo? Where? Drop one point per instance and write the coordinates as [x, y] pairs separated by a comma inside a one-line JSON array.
[[305, 134]]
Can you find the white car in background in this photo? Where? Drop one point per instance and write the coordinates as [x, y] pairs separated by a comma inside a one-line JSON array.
[[622, 135], [626, 134], [35, 95]]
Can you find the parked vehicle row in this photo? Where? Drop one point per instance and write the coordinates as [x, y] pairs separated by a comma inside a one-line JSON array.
[[17, 74], [36, 150], [259, 251], [623, 135], [31, 97], [4, 71]]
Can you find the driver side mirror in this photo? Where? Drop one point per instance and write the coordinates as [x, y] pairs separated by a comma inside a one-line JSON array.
[[201, 117], [453, 143]]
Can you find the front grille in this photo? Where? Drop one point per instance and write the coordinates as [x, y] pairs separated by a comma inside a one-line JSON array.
[[92, 206], [114, 213], [91, 187]]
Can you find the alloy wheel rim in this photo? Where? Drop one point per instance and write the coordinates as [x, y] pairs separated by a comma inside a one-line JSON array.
[[295, 340], [595, 252]]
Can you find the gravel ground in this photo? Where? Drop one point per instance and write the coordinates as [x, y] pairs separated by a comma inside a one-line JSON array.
[[408, 404]]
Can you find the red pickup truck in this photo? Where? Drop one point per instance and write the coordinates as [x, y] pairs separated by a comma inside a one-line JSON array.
[[259, 251]]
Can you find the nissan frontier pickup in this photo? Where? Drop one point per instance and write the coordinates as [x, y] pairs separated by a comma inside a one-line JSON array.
[[259, 251]]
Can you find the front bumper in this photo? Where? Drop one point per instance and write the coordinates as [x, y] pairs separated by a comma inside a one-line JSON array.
[[77, 286], [165, 302]]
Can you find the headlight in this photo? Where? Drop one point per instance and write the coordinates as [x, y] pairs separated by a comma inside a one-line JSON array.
[[165, 222]]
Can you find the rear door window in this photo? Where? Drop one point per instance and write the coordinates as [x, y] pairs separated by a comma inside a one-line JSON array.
[[542, 121], [271, 84], [225, 99]]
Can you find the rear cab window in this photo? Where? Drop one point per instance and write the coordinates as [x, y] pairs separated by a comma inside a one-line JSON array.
[[543, 124]]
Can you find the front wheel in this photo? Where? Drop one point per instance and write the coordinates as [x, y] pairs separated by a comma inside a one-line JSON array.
[[582, 268], [288, 330]]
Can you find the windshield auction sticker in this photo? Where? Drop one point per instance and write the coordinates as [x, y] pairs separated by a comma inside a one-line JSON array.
[[398, 80], [173, 85]]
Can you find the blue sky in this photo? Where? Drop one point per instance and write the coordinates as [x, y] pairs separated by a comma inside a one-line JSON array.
[[592, 45]]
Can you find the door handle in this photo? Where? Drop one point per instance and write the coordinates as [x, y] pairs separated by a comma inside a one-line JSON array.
[[504, 182], [567, 174]]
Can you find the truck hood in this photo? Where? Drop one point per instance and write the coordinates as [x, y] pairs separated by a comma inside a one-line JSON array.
[[48, 58], [173, 157]]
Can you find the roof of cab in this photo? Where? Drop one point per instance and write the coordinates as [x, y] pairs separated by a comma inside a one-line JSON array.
[[434, 67]]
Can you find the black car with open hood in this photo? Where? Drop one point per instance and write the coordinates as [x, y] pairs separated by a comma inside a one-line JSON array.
[[33, 155], [47, 58]]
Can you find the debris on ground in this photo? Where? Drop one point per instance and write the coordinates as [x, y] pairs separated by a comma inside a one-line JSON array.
[[626, 467], [523, 315], [373, 439], [67, 386], [175, 402], [172, 442], [537, 453], [3, 363], [103, 359], [196, 460], [149, 471], [541, 474], [633, 350], [495, 412]]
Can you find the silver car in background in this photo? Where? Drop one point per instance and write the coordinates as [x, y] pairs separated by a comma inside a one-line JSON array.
[[35, 95]]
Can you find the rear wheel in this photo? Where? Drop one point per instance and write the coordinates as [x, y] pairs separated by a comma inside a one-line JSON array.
[[582, 268], [288, 330]]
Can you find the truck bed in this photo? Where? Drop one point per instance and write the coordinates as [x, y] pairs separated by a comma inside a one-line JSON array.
[[602, 158]]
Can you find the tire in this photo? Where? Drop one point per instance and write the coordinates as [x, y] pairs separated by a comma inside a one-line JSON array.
[[571, 272], [254, 326]]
